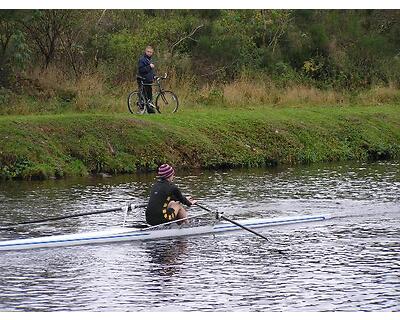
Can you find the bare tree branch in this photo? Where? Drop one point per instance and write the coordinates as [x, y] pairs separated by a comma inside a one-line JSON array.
[[96, 55], [188, 36], [101, 17]]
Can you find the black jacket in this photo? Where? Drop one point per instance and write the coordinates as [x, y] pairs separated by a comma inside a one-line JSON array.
[[161, 194], [144, 69]]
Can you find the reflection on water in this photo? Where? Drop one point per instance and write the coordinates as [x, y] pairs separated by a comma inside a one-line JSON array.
[[350, 263], [164, 256]]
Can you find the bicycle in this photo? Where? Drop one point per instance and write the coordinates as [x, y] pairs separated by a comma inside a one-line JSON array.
[[166, 101]]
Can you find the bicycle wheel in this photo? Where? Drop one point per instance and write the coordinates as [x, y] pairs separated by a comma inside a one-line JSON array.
[[167, 102], [135, 103]]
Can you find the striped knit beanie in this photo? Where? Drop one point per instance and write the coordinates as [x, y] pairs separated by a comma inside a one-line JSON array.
[[165, 171]]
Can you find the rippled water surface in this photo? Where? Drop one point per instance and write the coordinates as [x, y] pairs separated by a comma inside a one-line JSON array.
[[349, 263]]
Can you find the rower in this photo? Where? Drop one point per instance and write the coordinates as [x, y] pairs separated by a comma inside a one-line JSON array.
[[166, 200]]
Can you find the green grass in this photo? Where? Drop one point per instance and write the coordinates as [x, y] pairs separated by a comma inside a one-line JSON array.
[[45, 146]]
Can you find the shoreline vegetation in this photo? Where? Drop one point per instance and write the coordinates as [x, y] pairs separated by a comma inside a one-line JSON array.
[[79, 144], [84, 61], [256, 88], [51, 92]]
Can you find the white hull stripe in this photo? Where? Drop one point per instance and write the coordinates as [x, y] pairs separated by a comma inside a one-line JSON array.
[[122, 235], [74, 240]]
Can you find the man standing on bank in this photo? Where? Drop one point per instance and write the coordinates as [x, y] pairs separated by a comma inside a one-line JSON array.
[[166, 200], [146, 74]]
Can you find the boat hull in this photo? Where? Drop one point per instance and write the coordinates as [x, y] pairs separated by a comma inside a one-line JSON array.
[[129, 234]]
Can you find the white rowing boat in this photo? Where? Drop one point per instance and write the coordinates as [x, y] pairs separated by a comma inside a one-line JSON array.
[[152, 233]]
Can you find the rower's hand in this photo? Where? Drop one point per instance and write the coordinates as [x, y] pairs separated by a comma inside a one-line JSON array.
[[192, 201], [152, 66]]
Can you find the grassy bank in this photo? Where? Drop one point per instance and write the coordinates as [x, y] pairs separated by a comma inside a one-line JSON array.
[[79, 144]]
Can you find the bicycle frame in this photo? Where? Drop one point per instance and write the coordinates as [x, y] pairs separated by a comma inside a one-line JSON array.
[[157, 84], [160, 97]]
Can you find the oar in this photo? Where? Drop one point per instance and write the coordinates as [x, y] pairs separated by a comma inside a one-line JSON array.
[[221, 216], [11, 226]]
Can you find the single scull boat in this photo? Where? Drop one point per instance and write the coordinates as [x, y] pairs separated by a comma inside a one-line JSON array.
[[150, 233]]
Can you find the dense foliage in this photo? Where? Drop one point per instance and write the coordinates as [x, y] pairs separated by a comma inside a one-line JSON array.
[[328, 49]]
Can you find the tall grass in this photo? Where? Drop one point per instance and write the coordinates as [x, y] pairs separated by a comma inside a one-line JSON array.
[[245, 92], [52, 91], [381, 95]]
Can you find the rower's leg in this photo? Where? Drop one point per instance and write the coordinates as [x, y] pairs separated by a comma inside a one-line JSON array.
[[180, 211]]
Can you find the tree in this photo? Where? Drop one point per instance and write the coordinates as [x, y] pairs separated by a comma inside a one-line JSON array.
[[14, 52], [44, 28]]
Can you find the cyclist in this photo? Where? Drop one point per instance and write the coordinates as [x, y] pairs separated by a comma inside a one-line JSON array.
[[147, 75]]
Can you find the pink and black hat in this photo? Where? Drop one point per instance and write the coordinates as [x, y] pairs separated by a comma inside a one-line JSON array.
[[165, 171]]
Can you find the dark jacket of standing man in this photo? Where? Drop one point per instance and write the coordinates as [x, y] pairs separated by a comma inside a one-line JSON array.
[[146, 71]]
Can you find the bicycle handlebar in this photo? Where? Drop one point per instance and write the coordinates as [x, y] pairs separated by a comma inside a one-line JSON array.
[[141, 79], [162, 78]]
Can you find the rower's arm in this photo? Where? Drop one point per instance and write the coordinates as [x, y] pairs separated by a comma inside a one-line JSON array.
[[179, 197]]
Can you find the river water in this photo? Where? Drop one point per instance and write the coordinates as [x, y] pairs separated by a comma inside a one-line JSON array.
[[348, 263]]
